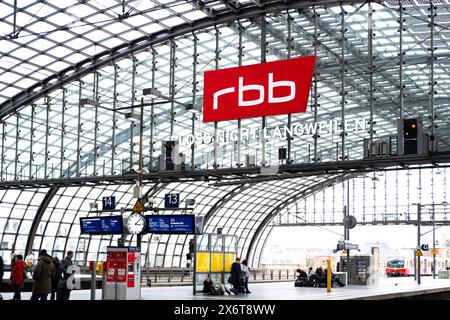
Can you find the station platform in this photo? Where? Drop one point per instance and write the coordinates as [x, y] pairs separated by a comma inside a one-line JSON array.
[[387, 288]]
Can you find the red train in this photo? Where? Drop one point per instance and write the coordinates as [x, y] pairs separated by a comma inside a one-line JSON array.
[[395, 267]]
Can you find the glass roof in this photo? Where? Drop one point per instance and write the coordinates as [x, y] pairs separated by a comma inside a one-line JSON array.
[[45, 37]]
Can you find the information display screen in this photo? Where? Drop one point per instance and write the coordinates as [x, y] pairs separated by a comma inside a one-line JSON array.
[[102, 225], [171, 224]]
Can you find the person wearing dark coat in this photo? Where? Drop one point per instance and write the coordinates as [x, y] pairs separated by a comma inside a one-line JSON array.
[[55, 279], [1, 273], [17, 275], [64, 268], [42, 277], [236, 273]]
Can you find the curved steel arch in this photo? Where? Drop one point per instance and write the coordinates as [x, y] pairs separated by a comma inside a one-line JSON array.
[[284, 204], [104, 58], [37, 218]]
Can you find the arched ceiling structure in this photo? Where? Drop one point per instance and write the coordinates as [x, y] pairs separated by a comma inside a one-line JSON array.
[[54, 55]]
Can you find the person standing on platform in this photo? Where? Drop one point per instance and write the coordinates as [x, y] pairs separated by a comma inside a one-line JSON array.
[[42, 277], [235, 274], [29, 261], [1, 276], [65, 264], [246, 274], [56, 294], [17, 276]]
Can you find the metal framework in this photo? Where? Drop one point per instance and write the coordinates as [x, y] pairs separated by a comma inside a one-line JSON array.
[[64, 154]]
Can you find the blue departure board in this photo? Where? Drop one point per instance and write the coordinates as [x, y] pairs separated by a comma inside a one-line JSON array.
[[171, 224], [102, 225]]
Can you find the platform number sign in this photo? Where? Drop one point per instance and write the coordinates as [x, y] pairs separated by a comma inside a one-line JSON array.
[[172, 200], [109, 203]]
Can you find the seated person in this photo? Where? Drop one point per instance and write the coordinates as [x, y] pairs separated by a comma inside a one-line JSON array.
[[302, 279], [334, 279], [210, 289]]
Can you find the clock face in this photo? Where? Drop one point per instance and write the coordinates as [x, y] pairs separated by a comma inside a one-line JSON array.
[[136, 223]]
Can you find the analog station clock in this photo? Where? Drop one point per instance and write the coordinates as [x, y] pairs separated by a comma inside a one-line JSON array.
[[136, 223]]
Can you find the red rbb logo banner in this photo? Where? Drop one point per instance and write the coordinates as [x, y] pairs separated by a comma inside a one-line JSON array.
[[271, 88]]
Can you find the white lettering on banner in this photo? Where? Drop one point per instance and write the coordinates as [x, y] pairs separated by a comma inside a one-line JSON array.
[[272, 85], [218, 94], [311, 128], [277, 132], [261, 92], [288, 131], [249, 87]]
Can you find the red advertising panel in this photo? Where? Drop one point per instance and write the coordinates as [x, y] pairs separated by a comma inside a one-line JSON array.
[[271, 88], [111, 266], [121, 266]]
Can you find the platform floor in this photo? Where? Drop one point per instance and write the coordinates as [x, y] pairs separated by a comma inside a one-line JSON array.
[[386, 289]]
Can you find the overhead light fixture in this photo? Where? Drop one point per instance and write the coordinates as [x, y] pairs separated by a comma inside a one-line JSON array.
[[132, 116], [89, 102], [152, 92], [93, 205], [190, 202], [193, 107]]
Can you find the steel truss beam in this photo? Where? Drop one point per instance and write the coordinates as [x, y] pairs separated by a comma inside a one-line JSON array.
[[367, 223], [236, 176]]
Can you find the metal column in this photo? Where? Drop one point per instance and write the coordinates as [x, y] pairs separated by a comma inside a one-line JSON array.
[[47, 133], [343, 72], [16, 157], [418, 240], [216, 60], [152, 109], [78, 130], [172, 84], [263, 60], [95, 98], [133, 98], [141, 147], [289, 120], [316, 76], [114, 122], [401, 85], [194, 97], [239, 124], [63, 133], [432, 82], [32, 139], [370, 70], [434, 246], [15, 33]]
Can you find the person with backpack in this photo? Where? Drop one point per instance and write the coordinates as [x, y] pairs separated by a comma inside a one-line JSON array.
[[17, 276]]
